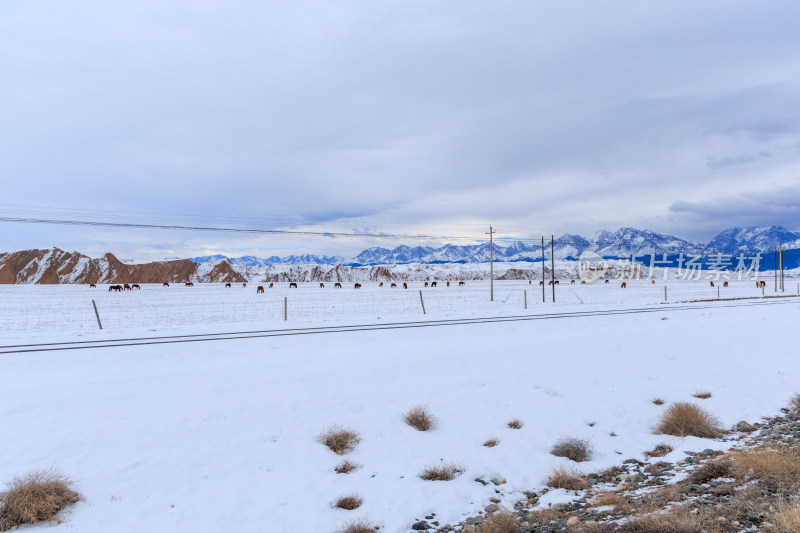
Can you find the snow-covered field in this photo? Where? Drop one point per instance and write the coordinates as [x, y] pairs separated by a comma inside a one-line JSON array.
[[44, 309], [221, 436]]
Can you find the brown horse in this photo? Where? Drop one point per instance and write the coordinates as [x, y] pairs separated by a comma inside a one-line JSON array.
[[227, 285], [337, 285], [126, 287], [572, 282], [381, 285], [556, 282], [461, 283], [652, 282], [448, 283], [712, 283], [541, 283], [136, 286], [357, 286], [426, 283], [116, 288], [405, 285], [583, 282], [92, 286], [270, 285], [321, 285], [165, 284], [189, 284], [624, 284], [761, 284], [244, 284], [292, 285], [433, 283], [260, 289], [606, 281], [724, 283], [394, 285]]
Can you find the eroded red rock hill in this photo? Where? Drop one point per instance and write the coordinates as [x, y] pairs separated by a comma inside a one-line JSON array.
[[56, 266]]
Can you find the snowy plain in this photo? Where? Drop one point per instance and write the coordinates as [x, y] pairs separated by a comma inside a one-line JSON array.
[[222, 436]]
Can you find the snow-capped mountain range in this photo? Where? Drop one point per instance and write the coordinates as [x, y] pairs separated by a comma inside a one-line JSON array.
[[621, 243]]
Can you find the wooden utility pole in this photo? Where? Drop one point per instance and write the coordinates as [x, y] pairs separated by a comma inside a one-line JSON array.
[[543, 269], [553, 264], [491, 264]]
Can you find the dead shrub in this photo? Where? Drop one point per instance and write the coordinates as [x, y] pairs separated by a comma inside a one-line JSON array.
[[359, 526], [345, 467], [35, 497], [515, 424], [677, 519], [776, 468], [658, 401], [786, 518], [566, 478], [502, 521], [659, 451], [683, 419], [491, 443], [610, 498], [702, 394], [420, 419], [573, 448], [794, 405], [340, 441], [710, 471], [349, 502], [445, 472]]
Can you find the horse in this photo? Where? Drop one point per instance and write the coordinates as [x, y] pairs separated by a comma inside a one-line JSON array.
[[606, 281], [541, 283], [165, 284], [393, 285], [426, 283], [260, 289], [321, 285], [136, 286], [433, 283], [117, 288], [550, 282], [270, 285], [337, 285], [92, 286], [126, 287], [189, 284], [652, 282], [357, 286], [448, 283], [760, 284], [381, 285], [461, 283], [583, 282], [244, 284], [712, 283], [624, 284], [572, 282], [405, 285], [227, 285], [556, 282], [724, 283], [292, 285]]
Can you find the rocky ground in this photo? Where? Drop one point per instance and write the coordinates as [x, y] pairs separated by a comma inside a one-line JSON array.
[[753, 487]]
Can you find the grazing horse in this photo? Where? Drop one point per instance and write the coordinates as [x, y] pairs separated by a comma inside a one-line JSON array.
[[624, 284], [572, 282], [357, 286], [606, 281], [405, 285], [227, 285], [433, 283], [724, 283], [270, 285], [652, 282], [292, 285], [556, 282], [761, 284], [426, 283], [541, 283], [448, 283], [381, 285], [136, 286], [165, 284], [126, 287], [117, 288], [321, 285], [393, 285], [189, 284], [461, 283], [712, 283], [260, 289], [337, 285], [244, 284], [92, 286], [583, 282]]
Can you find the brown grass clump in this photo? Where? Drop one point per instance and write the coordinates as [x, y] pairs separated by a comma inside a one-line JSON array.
[[676, 520], [710, 471], [345, 467], [573, 448], [610, 498], [702, 394], [774, 467], [349, 502], [566, 478], [36, 497], [445, 472], [359, 526], [515, 424], [659, 451], [794, 405], [420, 419], [491, 443], [786, 518], [658, 401], [683, 419], [502, 521], [340, 441]]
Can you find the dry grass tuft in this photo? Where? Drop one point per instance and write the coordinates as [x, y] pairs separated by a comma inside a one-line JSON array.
[[710, 471], [794, 405], [658, 401], [659, 451], [515, 424], [491, 443], [566, 478], [774, 467], [36, 497], [359, 526], [786, 518], [502, 521], [702, 394], [345, 467], [445, 472], [676, 520], [610, 498], [349, 502], [340, 441], [683, 419], [573, 448], [420, 419]]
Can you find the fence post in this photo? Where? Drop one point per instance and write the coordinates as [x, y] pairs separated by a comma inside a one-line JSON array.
[[96, 314], [285, 308], [665, 293], [422, 302], [525, 294], [717, 292]]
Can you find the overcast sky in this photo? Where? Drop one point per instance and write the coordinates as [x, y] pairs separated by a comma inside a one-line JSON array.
[[412, 117]]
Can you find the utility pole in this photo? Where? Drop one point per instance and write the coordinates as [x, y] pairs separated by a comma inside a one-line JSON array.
[[542, 268], [781, 249], [776, 269], [553, 264], [491, 264]]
